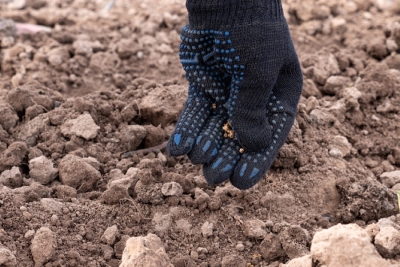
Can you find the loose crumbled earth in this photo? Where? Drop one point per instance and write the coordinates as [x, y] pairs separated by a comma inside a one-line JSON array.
[[102, 78]]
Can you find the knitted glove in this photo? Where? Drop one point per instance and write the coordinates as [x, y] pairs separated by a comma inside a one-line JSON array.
[[253, 46]]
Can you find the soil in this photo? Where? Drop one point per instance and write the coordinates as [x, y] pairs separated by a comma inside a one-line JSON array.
[[105, 82]]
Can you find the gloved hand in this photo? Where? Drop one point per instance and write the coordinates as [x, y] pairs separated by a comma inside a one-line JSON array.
[[253, 47]]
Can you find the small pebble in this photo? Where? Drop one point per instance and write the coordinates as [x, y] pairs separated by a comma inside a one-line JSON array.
[[29, 234], [207, 229], [202, 250], [240, 247], [110, 235], [54, 219], [26, 215], [194, 255]]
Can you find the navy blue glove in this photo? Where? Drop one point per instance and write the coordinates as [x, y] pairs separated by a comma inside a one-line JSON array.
[[254, 52]]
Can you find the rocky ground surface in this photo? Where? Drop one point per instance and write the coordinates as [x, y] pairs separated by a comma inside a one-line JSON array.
[[101, 80]]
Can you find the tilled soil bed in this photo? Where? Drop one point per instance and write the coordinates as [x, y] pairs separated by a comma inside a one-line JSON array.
[[107, 80]]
